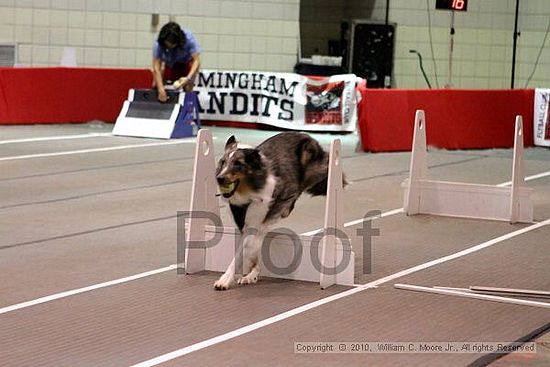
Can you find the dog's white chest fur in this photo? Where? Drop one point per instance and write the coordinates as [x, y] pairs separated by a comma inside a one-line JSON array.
[[259, 202]]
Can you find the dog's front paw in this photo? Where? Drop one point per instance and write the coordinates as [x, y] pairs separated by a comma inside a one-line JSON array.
[[250, 278], [223, 284]]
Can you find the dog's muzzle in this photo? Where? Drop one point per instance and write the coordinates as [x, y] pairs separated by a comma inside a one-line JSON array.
[[227, 188]]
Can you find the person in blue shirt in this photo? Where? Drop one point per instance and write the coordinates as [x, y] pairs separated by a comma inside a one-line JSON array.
[[176, 57]]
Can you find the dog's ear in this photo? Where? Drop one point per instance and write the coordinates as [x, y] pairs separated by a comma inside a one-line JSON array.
[[231, 143], [253, 159], [309, 151]]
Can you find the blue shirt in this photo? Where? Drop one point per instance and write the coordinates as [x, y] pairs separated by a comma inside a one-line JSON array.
[[178, 54]]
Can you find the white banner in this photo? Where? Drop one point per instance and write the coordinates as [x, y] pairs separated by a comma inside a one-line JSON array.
[[541, 117], [284, 100]]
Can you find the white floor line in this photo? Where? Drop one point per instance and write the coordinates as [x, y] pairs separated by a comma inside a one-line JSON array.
[[357, 221], [247, 329], [50, 138], [528, 178], [85, 289], [285, 315], [93, 150], [383, 215]]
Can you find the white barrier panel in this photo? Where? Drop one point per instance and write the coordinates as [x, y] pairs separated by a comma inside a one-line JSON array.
[[329, 255], [281, 254], [142, 115], [424, 196]]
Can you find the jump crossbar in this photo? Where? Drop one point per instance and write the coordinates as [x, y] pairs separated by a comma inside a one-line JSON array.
[[484, 297]]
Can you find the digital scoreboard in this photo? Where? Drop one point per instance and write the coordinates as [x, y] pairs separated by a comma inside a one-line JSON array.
[[456, 5]]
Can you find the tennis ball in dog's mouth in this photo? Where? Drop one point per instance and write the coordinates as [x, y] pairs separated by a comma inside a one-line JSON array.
[[227, 189]]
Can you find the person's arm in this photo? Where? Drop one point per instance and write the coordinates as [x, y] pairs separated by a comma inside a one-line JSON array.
[[188, 82], [194, 66], [159, 82]]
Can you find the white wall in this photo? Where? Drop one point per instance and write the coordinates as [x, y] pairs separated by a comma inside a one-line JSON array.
[[483, 43], [263, 34], [244, 35]]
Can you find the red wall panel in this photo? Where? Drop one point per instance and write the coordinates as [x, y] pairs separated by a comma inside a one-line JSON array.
[[455, 119], [59, 95]]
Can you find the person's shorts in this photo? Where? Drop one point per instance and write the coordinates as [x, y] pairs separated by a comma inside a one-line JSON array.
[[178, 70]]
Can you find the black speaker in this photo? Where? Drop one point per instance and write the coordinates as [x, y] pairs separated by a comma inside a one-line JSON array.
[[371, 52]]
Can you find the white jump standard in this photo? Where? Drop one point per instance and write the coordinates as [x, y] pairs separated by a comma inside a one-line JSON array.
[[329, 263], [424, 196]]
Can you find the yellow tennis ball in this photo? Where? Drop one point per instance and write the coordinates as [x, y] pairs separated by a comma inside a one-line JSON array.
[[227, 189]]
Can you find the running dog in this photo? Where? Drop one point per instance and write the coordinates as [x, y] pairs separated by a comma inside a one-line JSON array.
[[262, 185]]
